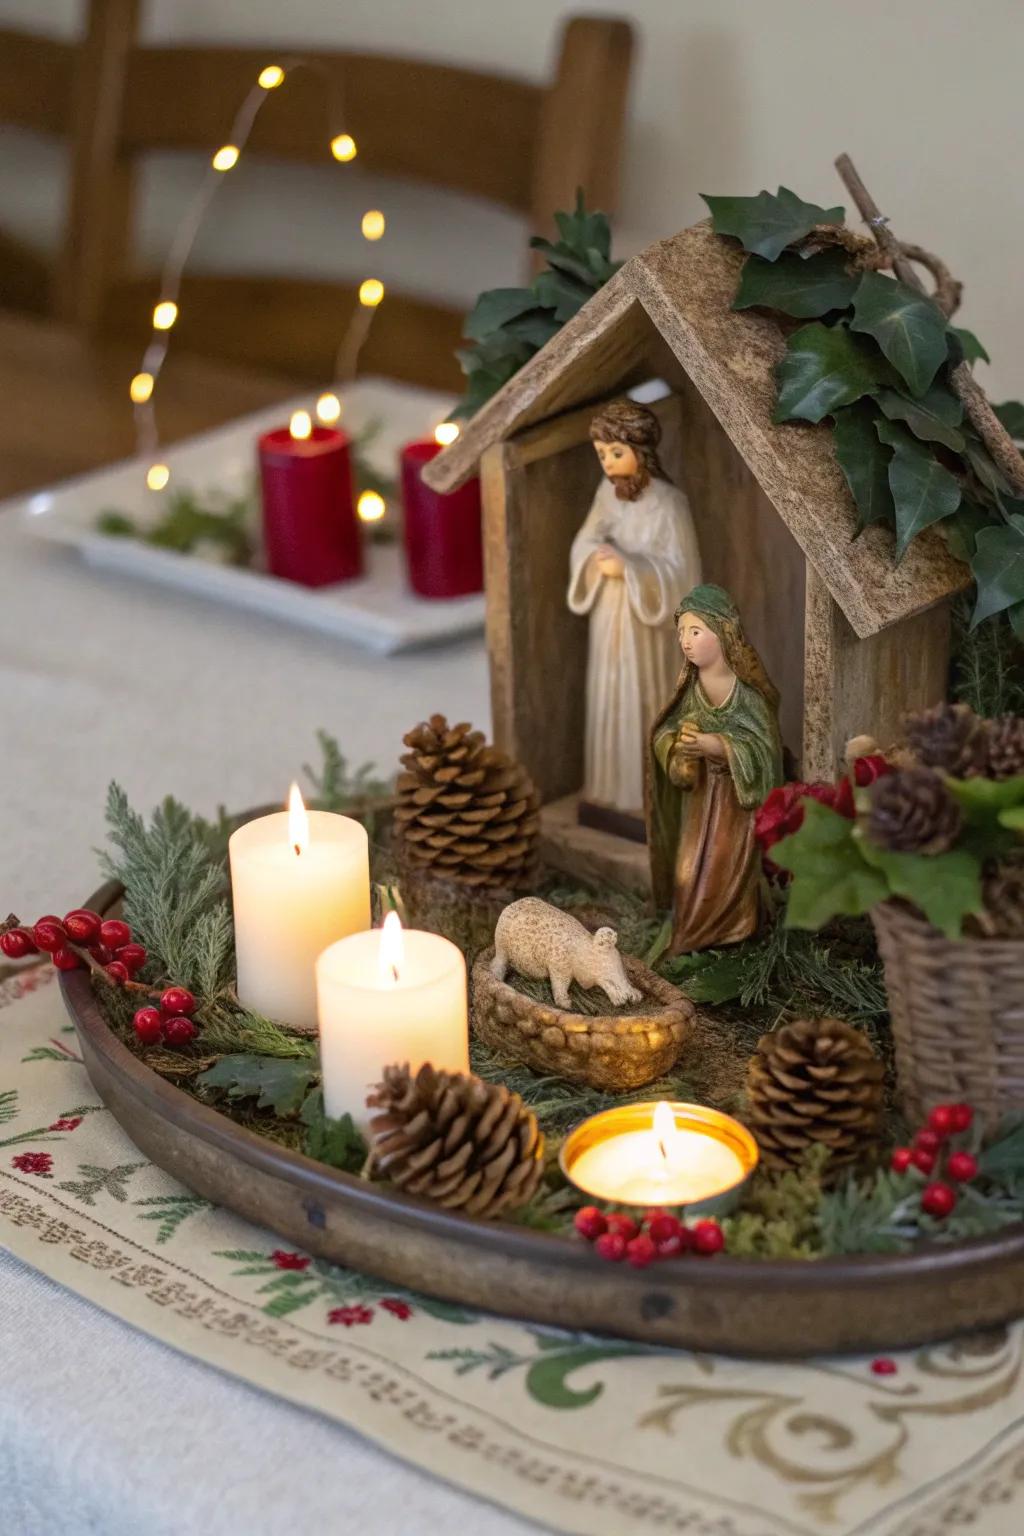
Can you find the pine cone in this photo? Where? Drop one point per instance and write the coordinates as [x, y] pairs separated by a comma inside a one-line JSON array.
[[949, 738], [1006, 747], [814, 1082], [469, 1145], [1002, 893], [466, 811], [912, 811]]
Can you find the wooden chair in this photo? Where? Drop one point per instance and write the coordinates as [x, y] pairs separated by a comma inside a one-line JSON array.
[[523, 146]]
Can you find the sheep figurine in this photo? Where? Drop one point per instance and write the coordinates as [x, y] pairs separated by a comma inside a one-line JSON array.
[[543, 943]]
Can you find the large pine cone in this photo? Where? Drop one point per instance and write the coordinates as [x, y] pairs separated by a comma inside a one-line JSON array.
[[912, 811], [815, 1082], [450, 1137], [466, 811], [1006, 747], [949, 738]]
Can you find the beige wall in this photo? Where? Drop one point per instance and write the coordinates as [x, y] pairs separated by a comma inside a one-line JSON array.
[[729, 96]]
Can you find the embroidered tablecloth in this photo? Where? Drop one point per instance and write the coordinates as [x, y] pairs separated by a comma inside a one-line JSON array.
[[580, 1433]]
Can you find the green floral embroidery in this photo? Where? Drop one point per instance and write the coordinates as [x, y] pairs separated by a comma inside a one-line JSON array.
[[96, 1181], [170, 1211], [294, 1281], [552, 1360]]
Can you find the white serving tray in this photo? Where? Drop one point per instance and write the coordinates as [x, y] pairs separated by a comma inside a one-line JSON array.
[[377, 612]]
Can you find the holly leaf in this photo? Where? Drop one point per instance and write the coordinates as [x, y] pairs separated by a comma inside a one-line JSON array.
[[946, 887], [864, 461], [983, 804], [972, 349], [998, 569], [795, 285], [1011, 414], [582, 231], [830, 878], [766, 224], [908, 327], [825, 367], [923, 492], [934, 418], [279, 1083], [496, 308]]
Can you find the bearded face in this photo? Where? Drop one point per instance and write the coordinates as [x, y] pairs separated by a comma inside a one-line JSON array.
[[626, 471]]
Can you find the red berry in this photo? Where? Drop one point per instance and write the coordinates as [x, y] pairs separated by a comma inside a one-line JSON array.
[[624, 1225], [114, 933], [941, 1119], [66, 960], [48, 934], [83, 925], [962, 1116], [149, 1025], [590, 1222], [101, 953], [178, 1000], [708, 1238], [179, 1031], [901, 1159], [117, 972], [672, 1247], [884, 1366], [133, 956], [662, 1225], [938, 1199], [16, 943], [641, 1251], [928, 1141], [611, 1245], [962, 1166], [923, 1161]]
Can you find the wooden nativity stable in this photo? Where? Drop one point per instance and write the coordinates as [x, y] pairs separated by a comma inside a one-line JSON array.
[[852, 639]]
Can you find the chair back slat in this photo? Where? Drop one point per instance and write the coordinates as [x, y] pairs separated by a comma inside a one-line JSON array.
[[36, 82]]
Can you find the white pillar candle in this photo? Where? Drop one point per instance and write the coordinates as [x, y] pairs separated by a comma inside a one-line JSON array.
[[391, 995], [299, 880]]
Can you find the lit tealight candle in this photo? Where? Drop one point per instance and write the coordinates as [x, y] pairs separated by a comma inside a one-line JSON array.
[[661, 1154], [299, 880], [391, 995]]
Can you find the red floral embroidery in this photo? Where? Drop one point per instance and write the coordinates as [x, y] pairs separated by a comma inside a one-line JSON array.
[[66, 1123], [285, 1260], [34, 1162], [397, 1307], [351, 1315]]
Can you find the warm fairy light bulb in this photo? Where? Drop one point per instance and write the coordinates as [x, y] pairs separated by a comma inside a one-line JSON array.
[[301, 425], [392, 949], [373, 224], [270, 77], [164, 315], [328, 409], [371, 291], [141, 387], [225, 158], [343, 146], [157, 476], [446, 433], [298, 822], [370, 506]]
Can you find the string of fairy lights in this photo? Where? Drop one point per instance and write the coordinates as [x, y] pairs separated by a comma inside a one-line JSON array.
[[167, 310]]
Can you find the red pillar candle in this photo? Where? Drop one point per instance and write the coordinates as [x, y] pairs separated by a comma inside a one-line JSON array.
[[310, 529], [442, 533]]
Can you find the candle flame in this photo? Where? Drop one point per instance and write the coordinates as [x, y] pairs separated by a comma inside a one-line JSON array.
[[665, 1132], [298, 821], [300, 425], [392, 949], [446, 432]]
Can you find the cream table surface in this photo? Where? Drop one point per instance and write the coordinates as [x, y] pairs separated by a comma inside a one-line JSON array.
[[175, 695]]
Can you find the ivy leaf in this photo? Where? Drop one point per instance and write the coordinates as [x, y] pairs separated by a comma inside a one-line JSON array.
[[864, 461], [795, 285], [564, 294], [825, 368], [581, 230], [998, 568], [934, 418], [922, 490], [1011, 414], [972, 348], [945, 886], [963, 527], [907, 326], [830, 878], [279, 1083], [765, 224], [336, 1142], [496, 308], [988, 471]]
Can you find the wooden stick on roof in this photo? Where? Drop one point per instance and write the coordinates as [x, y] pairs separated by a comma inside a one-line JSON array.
[[984, 419]]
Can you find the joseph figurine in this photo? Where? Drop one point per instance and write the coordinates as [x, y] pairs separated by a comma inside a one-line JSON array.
[[715, 752]]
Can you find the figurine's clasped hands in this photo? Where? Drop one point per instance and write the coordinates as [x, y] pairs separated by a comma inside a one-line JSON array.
[[693, 744], [609, 561]]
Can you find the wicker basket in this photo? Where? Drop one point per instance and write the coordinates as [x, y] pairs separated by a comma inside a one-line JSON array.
[[957, 1015]]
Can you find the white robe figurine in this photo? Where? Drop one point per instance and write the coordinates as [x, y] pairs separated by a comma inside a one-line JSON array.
[[633, 658]]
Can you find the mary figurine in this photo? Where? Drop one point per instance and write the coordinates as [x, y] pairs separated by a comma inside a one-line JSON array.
[[715, 752]]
